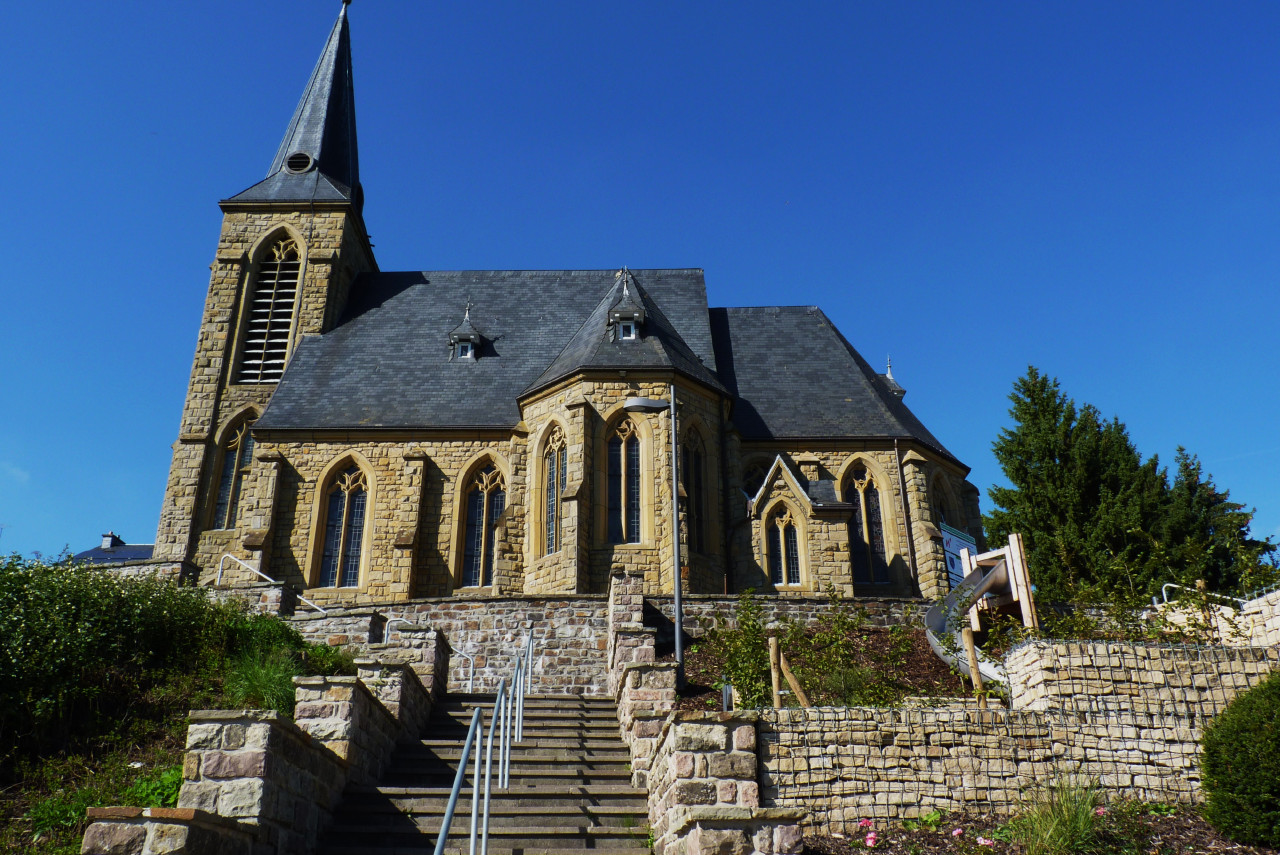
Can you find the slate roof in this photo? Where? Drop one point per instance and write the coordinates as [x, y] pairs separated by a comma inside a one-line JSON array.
[[116, 554], [795, 375], [323, 126], [387, 363]]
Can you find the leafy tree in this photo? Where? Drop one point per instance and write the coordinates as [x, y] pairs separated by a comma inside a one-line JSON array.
[[1097, 518]]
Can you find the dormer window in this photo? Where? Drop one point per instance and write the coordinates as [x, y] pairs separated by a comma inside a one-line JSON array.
[[465, 339], [626, 330], [626, 313]]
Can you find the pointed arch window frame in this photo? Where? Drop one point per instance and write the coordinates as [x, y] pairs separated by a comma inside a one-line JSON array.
[[625, 488], [869, 551], [235, 464], [783, 545], [555, 479], [693, 473], [267, 324], [483, 501], [344, 499]]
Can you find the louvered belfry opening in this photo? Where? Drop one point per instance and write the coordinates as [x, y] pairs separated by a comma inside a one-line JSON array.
[[266, 341]]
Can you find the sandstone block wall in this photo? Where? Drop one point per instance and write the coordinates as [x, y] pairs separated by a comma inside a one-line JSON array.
[[1153, 678], [848, 764], [163, 831], [343, 715], [703, 792], [262, 770], [1261, 616]]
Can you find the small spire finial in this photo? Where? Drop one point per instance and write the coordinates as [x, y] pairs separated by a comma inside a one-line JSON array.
[[467, 315], [888, 367]]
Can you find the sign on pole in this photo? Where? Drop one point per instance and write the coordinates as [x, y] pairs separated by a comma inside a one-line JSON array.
[[954, 540]]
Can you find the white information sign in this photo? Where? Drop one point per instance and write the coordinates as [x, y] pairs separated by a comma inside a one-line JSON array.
[[954, 540]]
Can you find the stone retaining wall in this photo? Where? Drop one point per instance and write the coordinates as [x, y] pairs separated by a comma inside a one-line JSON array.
[[1115, 676], [343, 715], [164, 831], [261, 769], [703, 795], [1262, 616], [848, 764]]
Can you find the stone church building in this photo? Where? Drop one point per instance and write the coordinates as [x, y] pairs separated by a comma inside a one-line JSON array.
[[376, 436]]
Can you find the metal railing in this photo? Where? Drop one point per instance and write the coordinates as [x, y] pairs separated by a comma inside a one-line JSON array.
[[223, 563], [1164, 594], [506, 723]]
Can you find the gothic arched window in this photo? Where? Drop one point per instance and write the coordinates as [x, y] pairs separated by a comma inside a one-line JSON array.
[[624, 484], [692, 469], [554, 466], [486, 499], [269, 317], [866, 530], [782, 548], [237, 456], [346, 504]]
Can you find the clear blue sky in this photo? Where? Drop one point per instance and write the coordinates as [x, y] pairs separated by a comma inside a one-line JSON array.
[[1092, 188]]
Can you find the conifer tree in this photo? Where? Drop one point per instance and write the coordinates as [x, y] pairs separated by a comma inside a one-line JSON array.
[[1096, 517]]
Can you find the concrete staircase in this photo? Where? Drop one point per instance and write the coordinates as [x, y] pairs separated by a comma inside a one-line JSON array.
[[570, 788]]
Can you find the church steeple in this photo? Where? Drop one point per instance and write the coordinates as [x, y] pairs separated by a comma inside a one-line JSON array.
[[317, 159]]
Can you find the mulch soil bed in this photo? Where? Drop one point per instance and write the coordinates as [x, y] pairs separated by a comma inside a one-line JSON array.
[[916, 672]]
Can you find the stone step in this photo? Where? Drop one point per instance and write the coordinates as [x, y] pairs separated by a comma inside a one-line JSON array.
[[561, 837], [602, 809], [541, 742], [501, 815], [515, 795], [442, 776], [520, 753]]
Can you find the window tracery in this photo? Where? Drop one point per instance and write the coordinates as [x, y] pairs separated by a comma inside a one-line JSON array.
[[624, 484], [268, 319], [692, 471], [782, 548], [346, 505], [237, 457], [867, 551], [554, 466], [486, 500]]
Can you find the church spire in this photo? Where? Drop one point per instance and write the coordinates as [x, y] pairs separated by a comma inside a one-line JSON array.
[[317, 159]]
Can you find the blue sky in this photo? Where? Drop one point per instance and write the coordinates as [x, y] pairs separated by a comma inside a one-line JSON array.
[[1092, 188]]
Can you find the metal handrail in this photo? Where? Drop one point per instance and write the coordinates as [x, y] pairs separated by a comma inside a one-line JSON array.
[[1164, 594], [223, 562], [506, 722], [471, 672]]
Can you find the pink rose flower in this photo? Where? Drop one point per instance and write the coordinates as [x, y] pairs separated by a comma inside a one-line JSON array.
[[871, 840], [982, 841], [957, 832], [1100, 811], [864, 823]]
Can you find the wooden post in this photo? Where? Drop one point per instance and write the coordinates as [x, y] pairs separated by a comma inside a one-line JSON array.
[[792, 681], [774, 668], [974, 673]]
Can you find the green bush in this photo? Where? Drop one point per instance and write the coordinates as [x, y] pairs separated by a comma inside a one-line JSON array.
[[1240, 765], [745, 650]]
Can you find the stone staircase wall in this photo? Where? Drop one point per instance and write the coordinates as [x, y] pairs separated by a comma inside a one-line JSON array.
[[256, 774]]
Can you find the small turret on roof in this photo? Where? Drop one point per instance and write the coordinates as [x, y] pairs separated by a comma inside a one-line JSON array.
[[627, 305], [465, 338], [892, 385], [318, 158]]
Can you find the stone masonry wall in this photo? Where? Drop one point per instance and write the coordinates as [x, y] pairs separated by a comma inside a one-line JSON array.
[[570, 639], [163, 831], [1151, 678], [848, 764], [261, 769], [1262, 617], [342, 714], [703, 793]]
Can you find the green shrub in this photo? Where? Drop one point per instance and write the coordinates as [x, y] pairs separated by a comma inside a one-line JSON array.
[[325, 661], [158, 790], [745, 650], [1240, 765], [1059, 819], [263, 682]]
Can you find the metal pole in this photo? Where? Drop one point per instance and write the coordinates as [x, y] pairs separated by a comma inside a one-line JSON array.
[[488, 764], [457, 784], [475, 786], [675, 540]]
